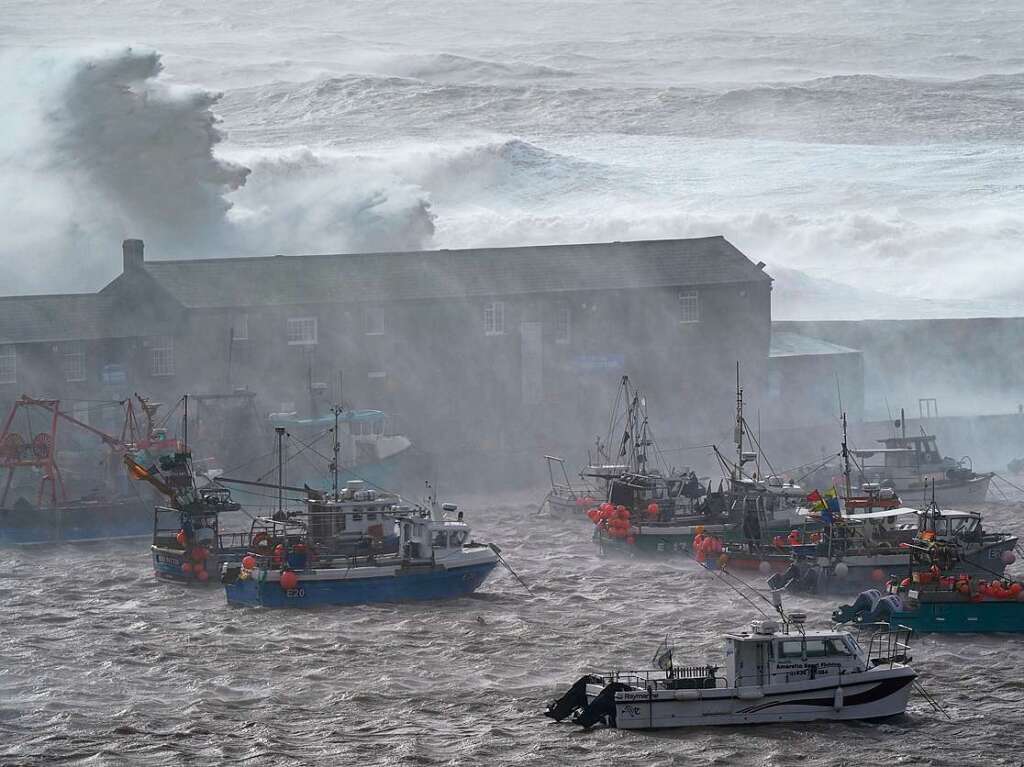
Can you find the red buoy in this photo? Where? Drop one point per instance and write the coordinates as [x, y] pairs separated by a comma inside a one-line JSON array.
[[202, 576], [289, 580], [186, 567], [199, 554], [249, 562]]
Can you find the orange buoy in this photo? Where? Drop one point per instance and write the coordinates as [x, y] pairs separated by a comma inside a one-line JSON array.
[[289, 580], [199, 554], [202, 576], [186, 567], [249, 562]]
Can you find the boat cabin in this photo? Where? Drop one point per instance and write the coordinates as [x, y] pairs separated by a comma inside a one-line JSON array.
[[950, 525], [359, 518], [765, 657]]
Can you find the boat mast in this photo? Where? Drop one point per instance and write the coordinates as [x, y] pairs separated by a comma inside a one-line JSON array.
[[337, 448], [739, 425], [846, 459], [280, 468]]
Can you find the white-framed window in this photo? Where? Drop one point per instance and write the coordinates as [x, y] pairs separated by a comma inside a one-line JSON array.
[[161, 356], [563, 324], [494, 318], [689, 306], [74, 361], [301, 331], [240, 327], [374, 321], [8, 364]]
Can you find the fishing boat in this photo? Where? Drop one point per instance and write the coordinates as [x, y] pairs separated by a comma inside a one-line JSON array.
[[941, 605], [567, 498], [44, 499], [864, 550], [638, 519], [358, 547], [188, 543], [914, 468], [776, 672]]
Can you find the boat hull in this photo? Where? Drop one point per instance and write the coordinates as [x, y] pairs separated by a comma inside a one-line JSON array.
[[963, 617], [341, 587], [948, 492], [677, 540], [76, 523], [875, 694], [872, 570], [167, 564]]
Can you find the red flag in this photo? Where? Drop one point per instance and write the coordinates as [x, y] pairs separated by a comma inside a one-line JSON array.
[[814, 497]]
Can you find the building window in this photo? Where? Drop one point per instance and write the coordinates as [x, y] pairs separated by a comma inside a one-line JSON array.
[[689, 306], [494, 318], [302, 331], [74, 361], [8, 365], [563, 324], [240, 327], [161, 356], [374, 321]]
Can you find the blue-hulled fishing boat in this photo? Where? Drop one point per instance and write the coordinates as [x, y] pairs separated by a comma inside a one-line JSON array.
[[359, 546]]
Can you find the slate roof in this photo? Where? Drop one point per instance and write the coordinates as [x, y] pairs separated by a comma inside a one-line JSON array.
[[83, 316], [785, 344], [437, 274]]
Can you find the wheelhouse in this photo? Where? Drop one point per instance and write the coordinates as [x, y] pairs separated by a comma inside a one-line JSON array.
[[764, 657]]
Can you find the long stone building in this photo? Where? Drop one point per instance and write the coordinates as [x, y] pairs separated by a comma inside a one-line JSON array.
[[515, 349]]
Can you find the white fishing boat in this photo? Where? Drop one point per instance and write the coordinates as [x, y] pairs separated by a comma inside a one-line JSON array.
[[776, 672]]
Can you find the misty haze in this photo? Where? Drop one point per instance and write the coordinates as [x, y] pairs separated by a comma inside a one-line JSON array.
[[502, 347]]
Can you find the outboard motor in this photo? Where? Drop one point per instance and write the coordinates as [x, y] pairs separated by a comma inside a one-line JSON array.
[[574, 699], [884, 609], [602, 709], [864, 604]]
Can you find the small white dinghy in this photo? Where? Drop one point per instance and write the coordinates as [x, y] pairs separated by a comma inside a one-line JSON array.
[[776, 672]]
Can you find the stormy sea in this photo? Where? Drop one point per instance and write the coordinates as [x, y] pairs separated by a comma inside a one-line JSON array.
[[103, 665], [869, 154]]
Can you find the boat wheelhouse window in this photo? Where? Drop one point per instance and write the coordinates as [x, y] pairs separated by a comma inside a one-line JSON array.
[[689, 306], [440, 540], [302, 331], [8, 365], [457, 538], [370, 516], [494, 318], [838, 647], [161, 356], [357, 517], [794, 648]]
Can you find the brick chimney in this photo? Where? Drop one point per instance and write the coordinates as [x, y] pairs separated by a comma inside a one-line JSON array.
[[133, 258]]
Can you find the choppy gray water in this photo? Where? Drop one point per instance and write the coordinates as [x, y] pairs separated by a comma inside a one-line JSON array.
[[101, 664]]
